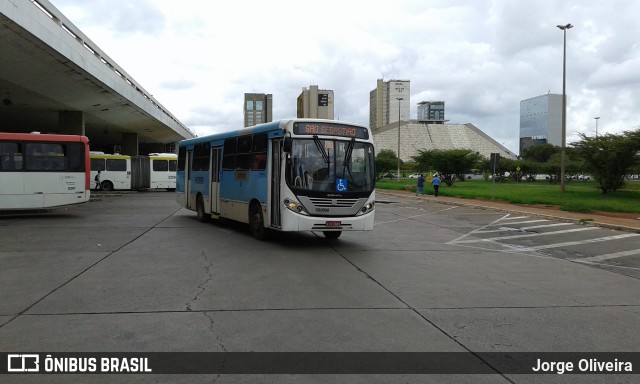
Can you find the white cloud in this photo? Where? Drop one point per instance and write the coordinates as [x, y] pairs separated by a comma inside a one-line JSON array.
[[198, 57]]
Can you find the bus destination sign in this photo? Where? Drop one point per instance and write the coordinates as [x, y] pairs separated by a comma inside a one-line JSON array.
[[330, 129]]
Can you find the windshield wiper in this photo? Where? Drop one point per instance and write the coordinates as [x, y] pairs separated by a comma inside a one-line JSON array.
[[320, 147], [347, 157]]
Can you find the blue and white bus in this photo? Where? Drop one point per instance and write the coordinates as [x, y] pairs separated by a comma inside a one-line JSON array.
[[289, 175]]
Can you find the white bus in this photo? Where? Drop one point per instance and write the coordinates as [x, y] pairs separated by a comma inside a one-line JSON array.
[[123, 172], [115, 170], [289, 175], [43, 171], [162, 171]]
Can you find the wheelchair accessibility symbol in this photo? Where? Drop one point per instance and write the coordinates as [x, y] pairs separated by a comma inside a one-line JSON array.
[[341, 185]]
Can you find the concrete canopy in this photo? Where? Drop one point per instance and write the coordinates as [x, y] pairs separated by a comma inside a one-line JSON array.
[[49, 71]]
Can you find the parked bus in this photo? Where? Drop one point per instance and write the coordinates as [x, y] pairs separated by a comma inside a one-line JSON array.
[[162, 171], [43, 170], [123, 172], [289, 175]]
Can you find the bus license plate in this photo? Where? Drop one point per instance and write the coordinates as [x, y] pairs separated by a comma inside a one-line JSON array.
[[333, 223]]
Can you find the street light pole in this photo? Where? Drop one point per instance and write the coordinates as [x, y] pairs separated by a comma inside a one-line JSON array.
[[399, 100], [564, 105], [597, 118]]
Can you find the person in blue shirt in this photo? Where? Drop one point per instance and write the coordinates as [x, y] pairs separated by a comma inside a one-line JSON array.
[[436, 184], [420, 189]]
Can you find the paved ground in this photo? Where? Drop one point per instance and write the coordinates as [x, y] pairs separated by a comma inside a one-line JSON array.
[[135, 272]]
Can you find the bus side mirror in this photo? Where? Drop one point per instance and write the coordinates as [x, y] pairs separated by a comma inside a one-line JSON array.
[[288, 143]]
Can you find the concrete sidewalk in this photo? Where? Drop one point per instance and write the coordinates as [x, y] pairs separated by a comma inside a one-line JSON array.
[[590, 218]]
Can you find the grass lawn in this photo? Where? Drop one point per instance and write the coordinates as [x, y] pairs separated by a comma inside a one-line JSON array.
[[579, 196]]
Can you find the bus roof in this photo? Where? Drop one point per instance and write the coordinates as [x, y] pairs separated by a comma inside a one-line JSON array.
[[168, 155], [108, 156], [260, 128], [42, 137]]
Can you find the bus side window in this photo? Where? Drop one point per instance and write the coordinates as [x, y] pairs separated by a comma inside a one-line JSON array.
[[259, 162], [229, 151], [201, 157], [97, 164], [45, 157], [160, 165], [75, 153], [116, 165], [10, 156]]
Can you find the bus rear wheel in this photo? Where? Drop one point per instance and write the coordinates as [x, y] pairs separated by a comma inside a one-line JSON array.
[[202, 215], [332, 234], [106, 186], [256, 223]]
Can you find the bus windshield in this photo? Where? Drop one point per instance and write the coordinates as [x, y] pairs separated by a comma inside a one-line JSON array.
[[328, 165]]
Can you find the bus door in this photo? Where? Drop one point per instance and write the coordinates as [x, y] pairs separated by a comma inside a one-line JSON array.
[[216, 163], [187, 179], [276, 166]]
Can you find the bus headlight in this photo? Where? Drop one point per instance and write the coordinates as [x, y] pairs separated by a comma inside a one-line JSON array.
[[294, 206], [367, 208]]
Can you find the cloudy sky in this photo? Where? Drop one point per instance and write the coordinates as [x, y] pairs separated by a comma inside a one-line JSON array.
[[199, 57]]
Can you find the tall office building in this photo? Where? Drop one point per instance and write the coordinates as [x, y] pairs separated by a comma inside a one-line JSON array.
[[315, 103], [384, 103], [431, 112], [541, 121], [258, 108]]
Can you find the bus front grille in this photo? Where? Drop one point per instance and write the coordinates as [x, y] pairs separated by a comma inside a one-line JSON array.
[[333, 203]]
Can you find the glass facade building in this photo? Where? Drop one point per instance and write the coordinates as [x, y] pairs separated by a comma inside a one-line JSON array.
[[431, 112], [541, 121]]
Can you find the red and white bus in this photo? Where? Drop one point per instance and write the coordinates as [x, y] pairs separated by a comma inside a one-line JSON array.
[[43, 170]]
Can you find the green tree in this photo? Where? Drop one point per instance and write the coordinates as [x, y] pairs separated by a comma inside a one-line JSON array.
[[505, 165], [529, 169], [449, 164], [540, 153], [551, 168], [609, 157], [386, 160]]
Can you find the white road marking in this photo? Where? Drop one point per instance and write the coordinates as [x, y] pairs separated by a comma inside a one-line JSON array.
[[528, 221], [414, 216], [515, 217], [570, 243], [525, 228], [518, 252], [457, 240], [608, 256], [546, 226], [527, 235]]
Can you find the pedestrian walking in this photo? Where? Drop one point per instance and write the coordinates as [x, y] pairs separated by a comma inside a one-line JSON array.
[[436, 184], [97, 180], [420, 189]]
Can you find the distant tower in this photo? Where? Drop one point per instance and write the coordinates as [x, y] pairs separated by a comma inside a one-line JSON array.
[[258, 108], [315, 103], [384, 103], [541, 121]]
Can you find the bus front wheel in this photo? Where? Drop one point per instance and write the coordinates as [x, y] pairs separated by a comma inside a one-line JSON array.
[[332, 234], [256, 222]]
